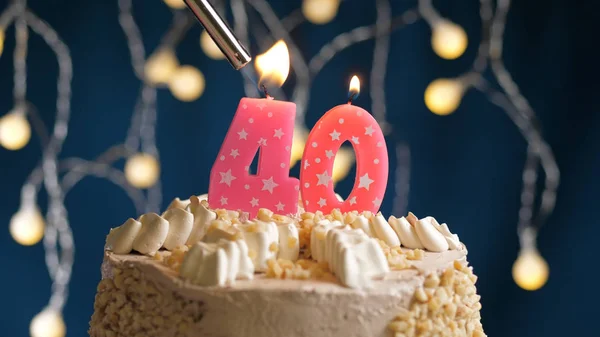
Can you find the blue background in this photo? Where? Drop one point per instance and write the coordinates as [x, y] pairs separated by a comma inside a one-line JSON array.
[[466, 168]]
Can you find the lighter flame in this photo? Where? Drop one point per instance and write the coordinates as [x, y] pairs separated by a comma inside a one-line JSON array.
[[274, 65], [354, 86]]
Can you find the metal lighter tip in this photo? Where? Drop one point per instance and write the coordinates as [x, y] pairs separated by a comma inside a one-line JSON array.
[[215, 26]]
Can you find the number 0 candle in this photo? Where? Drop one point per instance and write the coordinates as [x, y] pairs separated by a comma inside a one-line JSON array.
[[345, 123], [264, 124]]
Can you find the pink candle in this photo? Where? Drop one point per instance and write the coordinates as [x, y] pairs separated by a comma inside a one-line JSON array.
[[264, 124], [345, 123]]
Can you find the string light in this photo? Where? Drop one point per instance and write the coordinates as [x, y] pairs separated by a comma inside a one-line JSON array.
[[298, 143], [209, 47], [142, 170], [342, 163], [48, 323], [161, 66], [15, 131], [530, 270], [27, 226], [187, 83], [320, 12], [448, 40], [175, 4], [444, 95]]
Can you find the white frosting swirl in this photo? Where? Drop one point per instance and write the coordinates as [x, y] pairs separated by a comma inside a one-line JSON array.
[[120, 239], [217, 264], [152, 235], [384, 231], [406, 232]]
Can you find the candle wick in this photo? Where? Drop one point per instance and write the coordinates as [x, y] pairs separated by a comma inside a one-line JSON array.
[[264, 88]]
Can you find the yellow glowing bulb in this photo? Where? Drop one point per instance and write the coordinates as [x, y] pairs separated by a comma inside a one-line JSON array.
[[176, 4], [161, 66], [210, 47], [15, 131], [320, 12], [142, 170], [1, 41], [274, 65], [342, 163], [298, 143], [48, 323], [187, 83], [444, 95], [530, 271], [448, 40], [27, 226]]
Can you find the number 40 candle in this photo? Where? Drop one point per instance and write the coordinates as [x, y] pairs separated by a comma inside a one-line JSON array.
[[268, 125]]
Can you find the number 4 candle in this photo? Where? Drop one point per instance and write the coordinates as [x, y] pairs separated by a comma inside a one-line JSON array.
[[264, 124], [345, 123]]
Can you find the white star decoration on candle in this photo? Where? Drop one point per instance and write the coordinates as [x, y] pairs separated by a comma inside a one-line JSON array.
[[223, 201], [254, 202], [243, 134], [306, 164], [262, 141], [355, 140], [328, 154], [369, 130], [234, 153], [227, 177], [377, 202], [278, 133], [322, 202], [335, 135], [365, 181], [280, 206], [261, 106], [352, 200], [269, 185], [324, 178]]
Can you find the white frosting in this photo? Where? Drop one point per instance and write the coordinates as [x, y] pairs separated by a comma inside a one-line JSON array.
[[217, 264], [354, 257], [361, 222], [430, 237], [260, 236], [453, 240], [202, 219], [384, 231], [152, 235], [178, 203], [406, 232], [289, 242], [120, 239], [180, 227], [318, 238]]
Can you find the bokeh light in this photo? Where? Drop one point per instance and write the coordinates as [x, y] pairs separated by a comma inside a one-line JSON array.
[[142, 170], [530, 270], [176, 4], [27, 226], [15, 131], [209, 47], [444, 95], [320, 12], [448, 40], [298, 143], [48, 323], [342, 164], [187, 83], [161, 66]]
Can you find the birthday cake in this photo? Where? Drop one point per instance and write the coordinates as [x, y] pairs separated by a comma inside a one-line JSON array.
[[195, 271]]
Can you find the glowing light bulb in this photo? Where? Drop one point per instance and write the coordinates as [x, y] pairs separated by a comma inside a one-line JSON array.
[[176, 4], [161, 66], [1, 41], [342, 163], [448, 40], [298, 143], [444, 95], [320, 12], [27, 226], [15, 131], [209, 47], [187, 84], [530, 271], [142, 170], [48, 323]]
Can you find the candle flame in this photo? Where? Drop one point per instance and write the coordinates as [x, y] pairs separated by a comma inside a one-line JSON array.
[[354, 88], [274, 65]]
